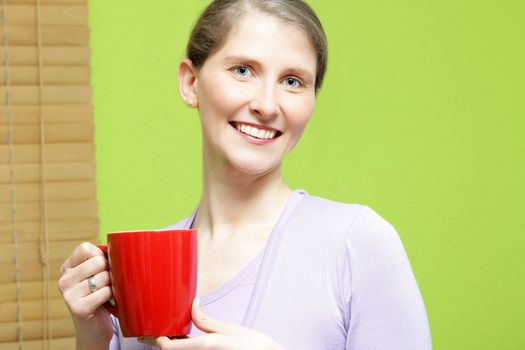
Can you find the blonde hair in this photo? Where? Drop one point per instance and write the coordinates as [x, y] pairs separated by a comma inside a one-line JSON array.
[[214, 25]]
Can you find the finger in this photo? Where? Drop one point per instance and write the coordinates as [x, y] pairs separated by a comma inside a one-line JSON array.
[[205, 323], [90, 267], [82, 252], [98, 297], [86, 307], [208, 341], [81, 289], [153, 341], [148, 341], [79, 273], [100, 280]]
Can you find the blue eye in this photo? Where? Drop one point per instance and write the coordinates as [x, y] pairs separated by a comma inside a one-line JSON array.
[[293, 82], [242, 71]]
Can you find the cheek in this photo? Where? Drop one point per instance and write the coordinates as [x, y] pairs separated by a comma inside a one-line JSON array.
[[219, 96], [300, 112]]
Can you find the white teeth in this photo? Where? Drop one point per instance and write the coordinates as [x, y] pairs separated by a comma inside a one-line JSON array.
[[255, 132], [261, 134]]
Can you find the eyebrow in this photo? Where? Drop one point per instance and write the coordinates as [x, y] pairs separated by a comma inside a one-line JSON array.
[[306, 74]]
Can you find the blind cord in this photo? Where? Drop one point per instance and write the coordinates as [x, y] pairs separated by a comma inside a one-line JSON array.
[[10, 156], [44, 237]]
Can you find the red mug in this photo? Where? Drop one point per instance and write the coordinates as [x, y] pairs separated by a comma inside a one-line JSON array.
[[153, 280]]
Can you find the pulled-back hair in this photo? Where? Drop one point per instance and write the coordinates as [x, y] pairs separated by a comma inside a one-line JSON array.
[[215, 23]]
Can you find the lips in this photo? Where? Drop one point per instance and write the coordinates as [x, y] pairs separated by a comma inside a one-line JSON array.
[[260, 132]]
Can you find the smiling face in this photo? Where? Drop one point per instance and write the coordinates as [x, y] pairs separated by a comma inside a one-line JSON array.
[[255, 95]]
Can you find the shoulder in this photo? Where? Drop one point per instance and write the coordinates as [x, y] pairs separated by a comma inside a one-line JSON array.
[[316, 211], [373, 238], [351, 217], [355, 226], [182, 224]]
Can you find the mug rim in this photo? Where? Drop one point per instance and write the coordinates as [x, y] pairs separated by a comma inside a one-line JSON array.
[[113, 233]]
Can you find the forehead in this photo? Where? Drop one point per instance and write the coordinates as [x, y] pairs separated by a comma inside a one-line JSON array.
[[267, 38]]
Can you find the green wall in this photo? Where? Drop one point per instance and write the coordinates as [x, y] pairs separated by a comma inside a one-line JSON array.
[[422, 117]]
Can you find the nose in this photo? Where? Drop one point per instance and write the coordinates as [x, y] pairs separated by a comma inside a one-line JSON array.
[[264, 103]]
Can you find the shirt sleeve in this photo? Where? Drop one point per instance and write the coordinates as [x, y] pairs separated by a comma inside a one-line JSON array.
[[114, 344], [118, 342], [386, 307]]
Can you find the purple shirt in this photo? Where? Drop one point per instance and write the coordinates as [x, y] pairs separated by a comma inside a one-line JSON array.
[[332, 276]]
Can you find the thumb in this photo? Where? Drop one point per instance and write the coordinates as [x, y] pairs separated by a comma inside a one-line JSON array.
[[204, 322]]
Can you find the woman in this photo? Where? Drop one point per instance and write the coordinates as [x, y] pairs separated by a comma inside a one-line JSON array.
[[277, 268]]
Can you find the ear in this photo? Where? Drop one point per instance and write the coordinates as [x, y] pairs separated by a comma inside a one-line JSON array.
[[188, 83]]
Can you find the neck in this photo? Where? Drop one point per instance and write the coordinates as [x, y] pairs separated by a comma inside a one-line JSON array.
[[233, 201]]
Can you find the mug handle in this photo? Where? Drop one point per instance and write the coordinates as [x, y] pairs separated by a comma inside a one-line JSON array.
[[108, 305]]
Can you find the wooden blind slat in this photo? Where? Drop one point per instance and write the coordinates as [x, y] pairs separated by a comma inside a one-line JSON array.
[[56, 133], [29, 270], [72, 94], [30, 250], [53, 114], [61, 15], [30, 291], [32, 310], [52, 75], [60, 328], [51, 56], [56, 210], [51, 35], [55, 153], [62, 229], [46, 2], [55, 344], [46, 91], [55, 191], [55, 172]]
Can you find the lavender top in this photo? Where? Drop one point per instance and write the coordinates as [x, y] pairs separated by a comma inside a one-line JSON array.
[[332, 276]]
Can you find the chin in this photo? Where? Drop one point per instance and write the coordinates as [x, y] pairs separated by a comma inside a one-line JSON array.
[[251, 167]]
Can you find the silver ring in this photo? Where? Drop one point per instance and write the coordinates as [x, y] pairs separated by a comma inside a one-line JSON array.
[[92, 284]]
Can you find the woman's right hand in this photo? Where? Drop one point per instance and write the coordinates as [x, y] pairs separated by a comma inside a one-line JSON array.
[[92, 323]]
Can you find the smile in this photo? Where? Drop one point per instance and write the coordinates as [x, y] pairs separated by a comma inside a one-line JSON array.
[[256, 131]]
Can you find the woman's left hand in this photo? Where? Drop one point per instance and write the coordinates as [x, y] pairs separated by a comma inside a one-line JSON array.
[[219, 336]]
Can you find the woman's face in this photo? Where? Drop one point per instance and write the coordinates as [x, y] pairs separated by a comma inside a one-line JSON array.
[[256, 94]]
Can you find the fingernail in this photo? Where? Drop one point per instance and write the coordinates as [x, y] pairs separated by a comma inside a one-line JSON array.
[[199, 304]]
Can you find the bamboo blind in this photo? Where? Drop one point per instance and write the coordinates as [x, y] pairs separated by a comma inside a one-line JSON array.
[[47, 169]]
